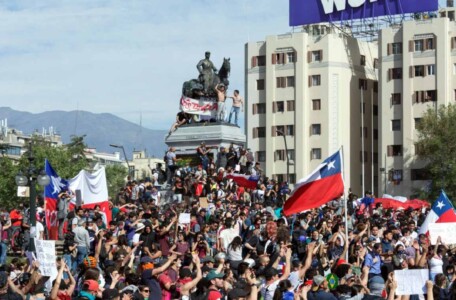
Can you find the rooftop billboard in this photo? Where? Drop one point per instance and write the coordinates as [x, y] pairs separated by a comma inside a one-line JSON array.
[[304, 12]]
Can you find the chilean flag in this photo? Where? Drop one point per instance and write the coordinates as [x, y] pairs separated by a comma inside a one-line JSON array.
[[51, 194], [442, 211], [324, 184], [247, 181]]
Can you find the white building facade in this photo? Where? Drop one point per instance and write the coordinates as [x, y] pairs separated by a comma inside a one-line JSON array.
[[320, 89]]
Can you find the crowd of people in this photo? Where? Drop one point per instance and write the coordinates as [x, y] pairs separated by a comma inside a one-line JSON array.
[[206, 237]]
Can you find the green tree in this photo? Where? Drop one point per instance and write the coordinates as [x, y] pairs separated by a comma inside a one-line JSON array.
[[115, 177], [436, 146], [8, 188]]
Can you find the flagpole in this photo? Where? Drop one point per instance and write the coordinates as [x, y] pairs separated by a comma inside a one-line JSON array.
[[345, 199]]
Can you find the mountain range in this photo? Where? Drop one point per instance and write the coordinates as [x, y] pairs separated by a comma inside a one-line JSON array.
[[100, 130]]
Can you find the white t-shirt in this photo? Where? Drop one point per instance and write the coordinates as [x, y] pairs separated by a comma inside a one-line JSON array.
[[268, 290], [39, 230], [227, 236]]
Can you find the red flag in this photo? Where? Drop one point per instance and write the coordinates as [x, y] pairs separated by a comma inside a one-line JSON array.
[[247, 181], [324, 184]]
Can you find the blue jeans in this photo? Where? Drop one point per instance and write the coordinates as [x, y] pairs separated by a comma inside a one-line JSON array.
[[82, 253], [4, 250], [234, 110]]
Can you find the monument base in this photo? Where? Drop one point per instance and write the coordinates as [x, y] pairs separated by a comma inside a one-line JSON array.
[[189, 137]]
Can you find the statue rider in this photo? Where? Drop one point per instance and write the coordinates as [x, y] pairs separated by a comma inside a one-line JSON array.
[[207, 71]]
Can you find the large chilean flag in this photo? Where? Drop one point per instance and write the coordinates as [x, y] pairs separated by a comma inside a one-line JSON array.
[[248, 181], [324, 184], [51, 194], [442, 211]]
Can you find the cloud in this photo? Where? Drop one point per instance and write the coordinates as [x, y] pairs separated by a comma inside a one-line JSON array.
[[122, 56]]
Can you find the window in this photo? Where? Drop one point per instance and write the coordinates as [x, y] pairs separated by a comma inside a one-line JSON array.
[[395, 176], [291, 57], [291, 155], [278, 58], [363, 156], [396, 125], [417, 123], [260, 84], [425, 96], [375, 134], [419, 45], [290, 130], [290, 105], [290, 81], [261, 156], [430, 70], [394, 48], [283, 82], [258, 61], [375, 110], [375, 158], [315, 56], [429, 44], [419, 174], [394, 150], [279, 177], [375, 63], [316, 129], [276, 129], [418, 149], [279, 155], [316, 153], [395, 73], [316, 104], [363, 60], [259, 132], [292, 179], [454, 69], [259, 108], [396, 98], [375, 86], [362, 107], [362, 84], [314, 80], [363, 130], [418, 71], [278, 106]]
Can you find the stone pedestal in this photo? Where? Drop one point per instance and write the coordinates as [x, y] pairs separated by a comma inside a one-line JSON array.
[[188, 137]]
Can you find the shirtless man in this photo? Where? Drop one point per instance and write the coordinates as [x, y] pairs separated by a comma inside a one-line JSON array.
[[221, 97], [238, 104]]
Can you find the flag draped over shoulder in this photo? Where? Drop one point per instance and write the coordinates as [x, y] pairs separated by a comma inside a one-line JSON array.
[[51, 194], [248, 181], [442, 211], [324, 184]]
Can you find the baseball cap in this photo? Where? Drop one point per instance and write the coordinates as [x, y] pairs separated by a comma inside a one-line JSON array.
[[109, 294], [212, 275], [318, 279], [92, 285], [146, 259]]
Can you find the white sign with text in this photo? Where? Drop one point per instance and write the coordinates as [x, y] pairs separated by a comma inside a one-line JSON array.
[[447, 232], [411, 282]]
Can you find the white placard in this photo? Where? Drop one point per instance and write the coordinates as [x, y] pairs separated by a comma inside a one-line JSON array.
[[184, 219], [447, 231], [23, 191], [45, 254], [411, 282]]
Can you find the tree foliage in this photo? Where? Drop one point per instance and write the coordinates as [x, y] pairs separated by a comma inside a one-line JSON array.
[[436, 146], [8, 188], [115, 176]]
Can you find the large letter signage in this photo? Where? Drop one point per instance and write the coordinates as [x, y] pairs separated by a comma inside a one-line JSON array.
[[304, 12]]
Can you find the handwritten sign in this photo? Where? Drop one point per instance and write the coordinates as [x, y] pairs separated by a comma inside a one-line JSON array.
[[447, 231], [45, 254], [411, 282], [198, 107], [203, 202], [184, 218]]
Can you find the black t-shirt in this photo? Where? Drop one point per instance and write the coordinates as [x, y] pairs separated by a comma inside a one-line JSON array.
[[181, 116], [10, 295]]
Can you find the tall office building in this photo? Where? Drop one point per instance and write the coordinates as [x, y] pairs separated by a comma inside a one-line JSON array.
[[417, 72], [319, 88]]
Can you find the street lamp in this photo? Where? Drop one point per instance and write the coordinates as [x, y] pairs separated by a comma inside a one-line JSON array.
[[125, 155], [280, 132], [30, 177]]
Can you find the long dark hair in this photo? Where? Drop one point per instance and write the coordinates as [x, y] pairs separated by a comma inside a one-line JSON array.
[[284, 285], [236, 243]]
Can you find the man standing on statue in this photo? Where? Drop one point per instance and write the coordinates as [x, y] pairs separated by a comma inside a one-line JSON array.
[[238, 104], [207, 71], [221, 97]]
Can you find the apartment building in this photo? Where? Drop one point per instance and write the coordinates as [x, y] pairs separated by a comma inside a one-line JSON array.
[[319, 88], [417, 72]]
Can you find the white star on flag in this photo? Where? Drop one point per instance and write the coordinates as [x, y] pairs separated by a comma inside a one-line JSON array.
[[440, 204], [331, 165], [57, 183]]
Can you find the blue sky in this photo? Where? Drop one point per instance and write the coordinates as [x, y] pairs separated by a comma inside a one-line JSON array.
[[123, 57]]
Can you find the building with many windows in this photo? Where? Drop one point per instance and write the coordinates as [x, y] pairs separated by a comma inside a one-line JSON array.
[[317, 90], [417, 72]]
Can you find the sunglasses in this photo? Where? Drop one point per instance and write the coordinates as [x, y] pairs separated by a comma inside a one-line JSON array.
[[146, 291]]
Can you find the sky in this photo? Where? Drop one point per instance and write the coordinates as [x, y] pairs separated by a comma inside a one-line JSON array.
[[128, 58]]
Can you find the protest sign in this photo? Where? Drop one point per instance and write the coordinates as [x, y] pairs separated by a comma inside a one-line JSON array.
[[45, 254], [447, 231], [184, 218], [411, 282], [203, 202]]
